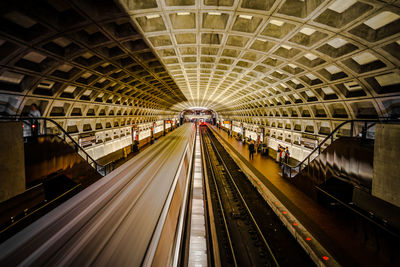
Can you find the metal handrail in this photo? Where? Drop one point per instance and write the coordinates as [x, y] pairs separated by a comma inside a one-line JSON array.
[[87, 157], [331, 136]]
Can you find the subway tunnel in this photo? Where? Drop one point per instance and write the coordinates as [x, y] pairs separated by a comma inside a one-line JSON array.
[[117, 81]]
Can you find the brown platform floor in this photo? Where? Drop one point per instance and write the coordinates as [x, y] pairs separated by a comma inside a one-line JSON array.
[[333, 233]]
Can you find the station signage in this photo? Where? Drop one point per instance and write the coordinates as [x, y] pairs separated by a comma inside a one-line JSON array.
[[168, 121], [87, 141], [227, 122]]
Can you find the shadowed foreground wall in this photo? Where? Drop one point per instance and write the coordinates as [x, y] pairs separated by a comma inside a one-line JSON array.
[[386, 181], [12, 167]]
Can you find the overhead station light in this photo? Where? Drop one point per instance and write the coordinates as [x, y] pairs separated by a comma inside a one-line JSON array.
[[45, 84], [276, 22], [310, 56], [197, 108], [214, 13], [183, 13], [307, 31], [337, 42], [11, 77], [382, 19], [364, 58], [245, 16], [340, 6], [152, 16]]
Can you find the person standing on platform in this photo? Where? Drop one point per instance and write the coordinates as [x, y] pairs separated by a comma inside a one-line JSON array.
[[251, 150], [278, 154], [281, 156], [35, 125], [287, 155]]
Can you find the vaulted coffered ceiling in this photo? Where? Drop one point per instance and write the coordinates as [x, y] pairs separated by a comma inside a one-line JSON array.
[[334, 59], [249, 60], [78, 59]]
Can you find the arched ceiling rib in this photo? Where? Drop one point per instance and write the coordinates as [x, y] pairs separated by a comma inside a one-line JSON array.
[[324, 59]]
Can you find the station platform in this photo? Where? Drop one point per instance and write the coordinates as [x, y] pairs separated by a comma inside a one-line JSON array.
[[333, 233]]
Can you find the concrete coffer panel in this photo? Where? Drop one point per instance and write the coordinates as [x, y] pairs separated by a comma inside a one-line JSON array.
[[386, 179], [12, 165]]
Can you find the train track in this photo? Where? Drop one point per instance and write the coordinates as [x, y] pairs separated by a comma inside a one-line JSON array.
[[248, 231]]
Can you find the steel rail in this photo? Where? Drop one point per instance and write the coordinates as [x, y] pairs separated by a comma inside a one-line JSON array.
[[243, 200], [209, 213], [220, 203]]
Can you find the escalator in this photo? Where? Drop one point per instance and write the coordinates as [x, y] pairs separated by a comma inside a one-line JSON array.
[[340, 177], [347, 159], [49, 154], [54, 171]]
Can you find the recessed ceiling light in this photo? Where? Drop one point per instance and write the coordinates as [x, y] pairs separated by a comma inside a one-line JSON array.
[[352, 86], [381, 20], [327, 90], [310, 56], [307, 31], [311, 76], [34, 57], [276, 22], [286, 47], [152, 16], [86, 75], [295, 81], [310, 93], [245, 16], [388, 79], [214, 13], [340, 6], [364, 58], [337, 42], [332, 69], [69, 89], [87, 92], [183, 13]]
